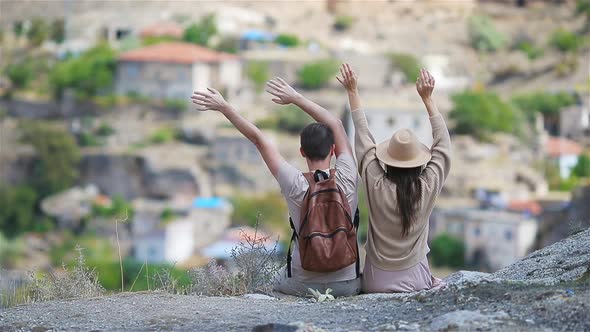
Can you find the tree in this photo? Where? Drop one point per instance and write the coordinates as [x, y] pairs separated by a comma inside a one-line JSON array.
[[292, 120], [199, 33], [57, 157], [483, 34], [87, 75], [583, 8], [271, 208], [343, 22], [582, 168], [548, 104], [258, 73], [18, 209], [38, 31], [447, 251], [483, 113], [58, 31], [316, 74]]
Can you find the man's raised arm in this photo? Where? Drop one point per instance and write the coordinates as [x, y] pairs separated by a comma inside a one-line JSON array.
[[285, 94], [213, 100]]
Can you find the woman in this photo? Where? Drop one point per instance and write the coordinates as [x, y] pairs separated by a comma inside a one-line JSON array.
[[402, 178]]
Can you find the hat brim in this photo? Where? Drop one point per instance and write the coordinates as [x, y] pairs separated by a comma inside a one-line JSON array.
[[422, 158]]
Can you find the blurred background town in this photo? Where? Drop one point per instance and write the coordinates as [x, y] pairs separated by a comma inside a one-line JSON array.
[[100, 147]]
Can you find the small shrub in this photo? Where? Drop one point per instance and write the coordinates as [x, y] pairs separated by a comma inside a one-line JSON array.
[[565, 41], [582, 167], [407, 64], [38, 31], [483, 34], [175, 105], [292, 120], [86, 139], [163, 135], [259, 73], [105, 130], [287, 40], [567, 66], [343, 22], [58, 31], [256, 268], [200, 32], [119, 208], [228, 45], [529, 48], [316, 74], [20, 74]]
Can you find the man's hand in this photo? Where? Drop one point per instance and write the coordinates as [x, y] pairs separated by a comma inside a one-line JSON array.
[[425, 84], [212, 100], [284, 93], [349, 78]]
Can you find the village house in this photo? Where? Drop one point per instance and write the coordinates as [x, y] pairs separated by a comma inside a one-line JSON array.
[[387, 115], [493, 238], [162, 29], [179, 239], [564, 153], [173, 70]]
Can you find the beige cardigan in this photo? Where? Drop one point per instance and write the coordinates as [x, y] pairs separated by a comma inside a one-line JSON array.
[[386, 248]]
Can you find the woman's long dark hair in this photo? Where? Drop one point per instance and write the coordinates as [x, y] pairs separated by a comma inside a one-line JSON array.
[[409, 193]]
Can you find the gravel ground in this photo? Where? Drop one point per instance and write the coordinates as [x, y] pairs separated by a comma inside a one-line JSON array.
[[548, 290], [494, 306]]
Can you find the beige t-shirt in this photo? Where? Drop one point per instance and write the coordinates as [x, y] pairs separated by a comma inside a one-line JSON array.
[[293, 187]]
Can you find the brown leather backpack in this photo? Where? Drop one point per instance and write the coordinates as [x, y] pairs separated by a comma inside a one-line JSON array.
[[327, 233]]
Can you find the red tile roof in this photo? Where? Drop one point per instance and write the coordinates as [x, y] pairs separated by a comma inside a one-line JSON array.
[[164, 29], [175, 52], [525, 206], [559, 146]]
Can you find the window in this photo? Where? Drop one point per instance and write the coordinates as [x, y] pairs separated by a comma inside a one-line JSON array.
[[416, 123], [477, 231], [390, 121], [508, 235], [132, 70]]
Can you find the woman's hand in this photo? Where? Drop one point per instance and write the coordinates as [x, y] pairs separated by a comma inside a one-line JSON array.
[[284, 93], [212, 100], [349, 78], [425, 84]]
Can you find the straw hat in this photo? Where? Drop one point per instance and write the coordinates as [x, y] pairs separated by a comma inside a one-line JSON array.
[[403, 150]]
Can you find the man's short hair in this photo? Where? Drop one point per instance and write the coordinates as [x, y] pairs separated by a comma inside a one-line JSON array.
[[316, 141]]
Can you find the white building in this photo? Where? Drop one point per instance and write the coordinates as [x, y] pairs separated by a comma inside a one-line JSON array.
[[564, 153], [181, 238], [493, 239], [386, 118], [175, 70]]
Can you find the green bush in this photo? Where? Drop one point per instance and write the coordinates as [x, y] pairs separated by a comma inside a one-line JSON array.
[[582, 168], [446, 250], [201, 32], [543, 102], [271, 208], [58, 31], [176, 105], [259, 73], [57, 156], [118, 209], [483, 113], [87, 75], [228, 45], [18, 28], [20, 74], [287, 40], [88, 139], [529, 48], [38, 31], [292, 120], [407, 64], [164, 135], [343, 22], [105, 130], [583, 8], [483, 34], [316, 74], [565, 41], [17, 214]]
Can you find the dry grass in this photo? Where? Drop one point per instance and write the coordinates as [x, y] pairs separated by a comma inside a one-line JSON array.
[[256, 267]]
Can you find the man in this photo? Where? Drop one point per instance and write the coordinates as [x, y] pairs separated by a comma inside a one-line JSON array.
[[319, 142]]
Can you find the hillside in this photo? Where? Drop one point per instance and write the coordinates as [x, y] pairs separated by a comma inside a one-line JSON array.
[[549, 289]]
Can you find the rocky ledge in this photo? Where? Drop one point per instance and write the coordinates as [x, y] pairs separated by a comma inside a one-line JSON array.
[[547, 290]]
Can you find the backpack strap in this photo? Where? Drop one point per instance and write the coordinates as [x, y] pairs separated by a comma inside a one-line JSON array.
[[289, 256], [356, 223]]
